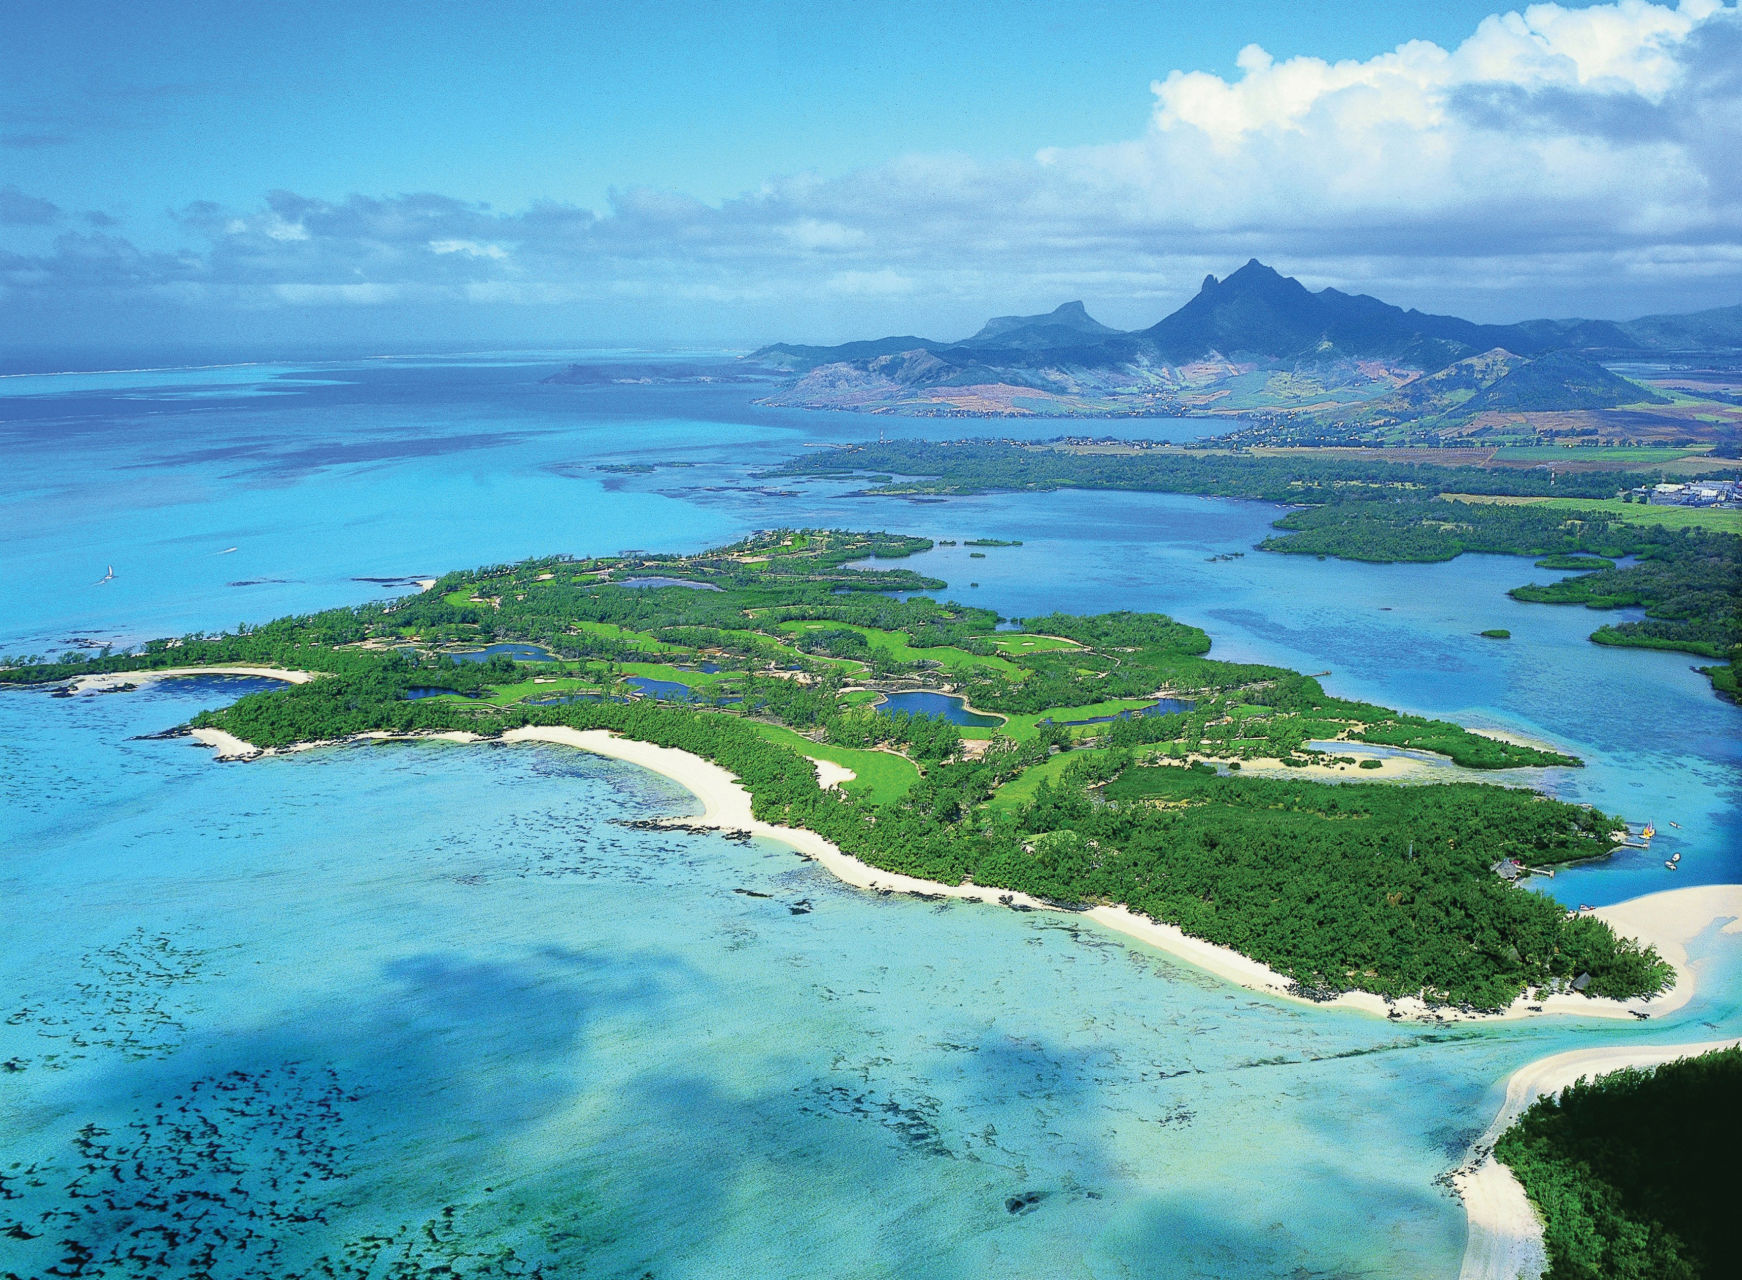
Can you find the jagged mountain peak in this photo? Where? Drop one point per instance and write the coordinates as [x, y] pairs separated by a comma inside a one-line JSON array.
[[1071, 316]]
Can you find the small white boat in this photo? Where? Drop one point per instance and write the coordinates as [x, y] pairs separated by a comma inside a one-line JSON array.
[[1669, 866]]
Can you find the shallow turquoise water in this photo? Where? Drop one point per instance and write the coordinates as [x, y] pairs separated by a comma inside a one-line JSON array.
[[424, 1004]]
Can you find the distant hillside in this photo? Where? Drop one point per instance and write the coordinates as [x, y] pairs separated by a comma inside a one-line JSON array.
[[1560, 380], [1719, 329], [1501, 380]]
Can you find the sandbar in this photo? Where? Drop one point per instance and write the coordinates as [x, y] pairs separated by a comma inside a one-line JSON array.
[[116, 679]]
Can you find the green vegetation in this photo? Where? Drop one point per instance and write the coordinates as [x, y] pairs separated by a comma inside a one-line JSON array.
[[979, 466], [1021, 642], [880, 777], [897, 647], [1687, 581], [1634, 1172], [781, 658], [1496, 633], [1379, 859]]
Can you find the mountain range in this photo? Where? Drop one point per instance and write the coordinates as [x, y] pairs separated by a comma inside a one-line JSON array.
[[1256, 339]]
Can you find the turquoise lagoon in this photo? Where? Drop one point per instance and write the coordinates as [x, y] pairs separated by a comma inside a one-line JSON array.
[[400, 1006]]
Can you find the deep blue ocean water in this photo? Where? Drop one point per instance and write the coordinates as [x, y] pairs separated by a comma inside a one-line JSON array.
[[422, 1004]]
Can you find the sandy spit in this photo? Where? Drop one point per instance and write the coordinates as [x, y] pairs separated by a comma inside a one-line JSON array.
[[1505, 1239], [114, 680]]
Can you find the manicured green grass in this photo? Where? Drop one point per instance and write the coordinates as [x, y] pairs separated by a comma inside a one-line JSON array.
[[501, 695], [1019, 642], [880, 776], [1721, 521], [640, 639], [898, 646], [665, 671]]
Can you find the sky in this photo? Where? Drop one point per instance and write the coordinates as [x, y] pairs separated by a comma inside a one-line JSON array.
[[398, 176]]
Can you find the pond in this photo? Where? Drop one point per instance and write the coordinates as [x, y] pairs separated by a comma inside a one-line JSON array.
[[667, 582], [517, 651], [948, 706], [1160, 707], [673, 691]]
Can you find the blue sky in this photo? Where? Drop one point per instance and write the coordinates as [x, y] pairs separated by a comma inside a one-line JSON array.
[[731, 173]]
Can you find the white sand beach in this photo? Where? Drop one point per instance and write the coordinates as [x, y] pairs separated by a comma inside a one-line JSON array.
[[115, 680], [229, 746], [1390, 767], [726, 804], [1667, 920], [1505, 1240]]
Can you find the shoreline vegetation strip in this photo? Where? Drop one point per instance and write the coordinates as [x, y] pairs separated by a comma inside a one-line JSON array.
[[1345, 886]]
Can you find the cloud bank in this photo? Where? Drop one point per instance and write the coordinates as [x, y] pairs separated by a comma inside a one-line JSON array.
[[1556, 158]]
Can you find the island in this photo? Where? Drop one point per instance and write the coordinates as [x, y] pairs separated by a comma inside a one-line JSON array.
[[1104, 764]]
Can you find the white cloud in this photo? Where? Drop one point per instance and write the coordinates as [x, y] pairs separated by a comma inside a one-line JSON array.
[[1551, 119], [884, 283], [1555, 156], [471, 248]]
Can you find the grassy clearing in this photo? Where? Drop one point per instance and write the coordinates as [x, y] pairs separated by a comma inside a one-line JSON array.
[[1715, 519], [1019, 791], [901, 649], [502, 695], [880, 776], [1026, 725]]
